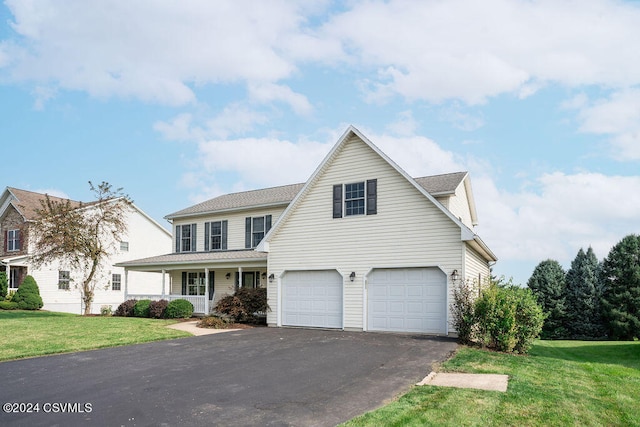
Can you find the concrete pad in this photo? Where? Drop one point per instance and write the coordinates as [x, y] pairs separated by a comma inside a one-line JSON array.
[[194, 330], [493, 382]]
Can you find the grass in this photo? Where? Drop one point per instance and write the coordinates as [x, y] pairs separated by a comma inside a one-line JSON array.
[[38, 333], [560, 383]]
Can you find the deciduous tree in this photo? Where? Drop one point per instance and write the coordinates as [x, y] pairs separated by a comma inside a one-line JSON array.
[[81, 236]]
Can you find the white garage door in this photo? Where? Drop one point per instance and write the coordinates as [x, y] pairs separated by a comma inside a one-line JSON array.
[[407, 300], [312, 298]]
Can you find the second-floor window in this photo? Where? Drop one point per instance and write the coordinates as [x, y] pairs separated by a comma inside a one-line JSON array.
[[116, 282], [255, 229], [186, 238], [357, 198], [215, 236], [13, 240]]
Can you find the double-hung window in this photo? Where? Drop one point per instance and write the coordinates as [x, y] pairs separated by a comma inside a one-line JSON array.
[[255, 229], [13, 240], [64, 278], [356, 198], [195, 283], [116, 282], [186, 238], [215, 236]]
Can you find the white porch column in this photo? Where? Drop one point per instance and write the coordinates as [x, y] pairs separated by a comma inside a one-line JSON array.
[[126, 283], [206, 291], [239, 277], [8, 276], [163, 283]]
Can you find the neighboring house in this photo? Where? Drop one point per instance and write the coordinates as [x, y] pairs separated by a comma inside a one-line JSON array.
[[145, 237], [360, 246]]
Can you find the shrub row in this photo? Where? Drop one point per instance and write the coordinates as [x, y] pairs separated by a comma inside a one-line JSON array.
[[504, 318], [162, 309]]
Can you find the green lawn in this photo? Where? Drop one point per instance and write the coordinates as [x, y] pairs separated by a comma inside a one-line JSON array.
[[36, 333], [567, 383]]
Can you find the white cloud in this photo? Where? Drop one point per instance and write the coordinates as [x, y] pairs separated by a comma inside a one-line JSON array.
[[558, 216], [405, 124], [617, 116], [473, 50], [155, 51], [268, 92]]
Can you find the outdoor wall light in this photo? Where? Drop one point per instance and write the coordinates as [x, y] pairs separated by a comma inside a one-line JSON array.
[[352, 276], [228, 276], [271, 277], [454, 275]]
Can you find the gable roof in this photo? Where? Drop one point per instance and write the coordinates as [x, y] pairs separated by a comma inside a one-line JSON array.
[[438, 185], [27, 202], [441, 183]]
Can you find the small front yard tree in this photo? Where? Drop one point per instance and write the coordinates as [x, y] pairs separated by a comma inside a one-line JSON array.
[[621, 294], [81, 236], [4, 285]]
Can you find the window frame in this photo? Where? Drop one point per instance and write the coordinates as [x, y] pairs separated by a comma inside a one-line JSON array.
[[211, 243], [182, 239], [116, 285], [124, 246], [13, 240], [196, 282], [252, 237], [354, 199], [64, 280]]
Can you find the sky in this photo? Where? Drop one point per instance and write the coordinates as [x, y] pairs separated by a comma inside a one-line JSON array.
[[181, 101]]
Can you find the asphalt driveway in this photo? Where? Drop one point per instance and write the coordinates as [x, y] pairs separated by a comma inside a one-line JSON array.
[[261, 376]]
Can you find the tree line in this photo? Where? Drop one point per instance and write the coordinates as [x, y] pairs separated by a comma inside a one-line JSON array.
[[593, 299]]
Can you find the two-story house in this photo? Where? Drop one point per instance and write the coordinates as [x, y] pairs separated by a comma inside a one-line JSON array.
[[144, 238], [360, 246]]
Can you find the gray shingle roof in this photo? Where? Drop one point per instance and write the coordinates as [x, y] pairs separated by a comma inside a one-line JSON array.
[[441, 184], [196, 257], [283, 195], [264, 197]]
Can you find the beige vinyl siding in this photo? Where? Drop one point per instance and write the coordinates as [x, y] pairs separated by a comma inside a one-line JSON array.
[[235, 225], [407, 231], [459, 206], [476, 269]]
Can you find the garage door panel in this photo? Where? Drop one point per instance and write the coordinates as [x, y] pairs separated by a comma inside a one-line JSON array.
[[312, 298], [407, 300]]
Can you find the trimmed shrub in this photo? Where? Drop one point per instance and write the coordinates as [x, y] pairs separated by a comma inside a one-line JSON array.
[[28, 295], [8, 305], [247, 305], [157, 309], [179, 308], [105, 310], [141, 309], [529, 318], [4, 285], [126, 308], [214, 322]]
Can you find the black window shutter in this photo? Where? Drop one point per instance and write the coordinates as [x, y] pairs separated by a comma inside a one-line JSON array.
[[178, 239], [184, 283], [372, 196], [267, 224], [211, 284], [337, 201], [247, 232], [207, 235], [224, 235], [193, 237]]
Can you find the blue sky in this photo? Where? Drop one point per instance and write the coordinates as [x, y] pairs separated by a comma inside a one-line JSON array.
[[181, 101]]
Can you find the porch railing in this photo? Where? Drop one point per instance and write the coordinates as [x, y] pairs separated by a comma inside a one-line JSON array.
[[198, 301]]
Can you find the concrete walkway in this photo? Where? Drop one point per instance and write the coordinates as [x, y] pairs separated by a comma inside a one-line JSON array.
[[191, 327], [494, 382]]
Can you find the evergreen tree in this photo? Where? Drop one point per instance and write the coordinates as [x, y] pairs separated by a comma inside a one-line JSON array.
[[28, 295], [4, 285], [621, 289], [583, 310], [548, 285]]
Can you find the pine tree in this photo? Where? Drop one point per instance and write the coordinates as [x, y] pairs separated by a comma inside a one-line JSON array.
[[621, 289], [583, 310], [548, 285]]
